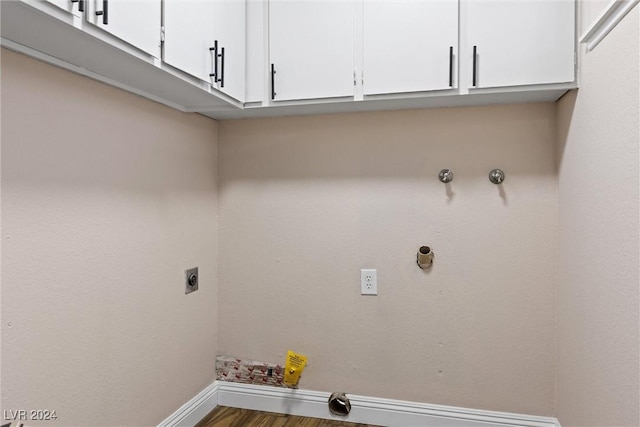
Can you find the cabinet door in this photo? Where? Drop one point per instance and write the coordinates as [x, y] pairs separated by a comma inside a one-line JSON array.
[[137, 22], [311, 48], [521, 42], [255, 56], [229, 18], [409, 45], [72, 7], [188, 27]]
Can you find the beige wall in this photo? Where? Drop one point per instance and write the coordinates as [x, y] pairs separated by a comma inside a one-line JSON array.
[[107, 198], [598, 293], [306, 202], [589, 11]]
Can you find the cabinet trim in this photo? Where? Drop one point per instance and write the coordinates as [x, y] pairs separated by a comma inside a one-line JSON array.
[[607, 21]]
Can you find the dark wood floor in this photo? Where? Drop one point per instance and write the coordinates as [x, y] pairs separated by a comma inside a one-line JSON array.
[[234, 417]]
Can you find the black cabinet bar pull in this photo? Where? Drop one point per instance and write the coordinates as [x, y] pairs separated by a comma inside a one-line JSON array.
[[221, 79], [80, 4], [450, 66], [214, 49], [273, 82], [475, 66], [104, 12], [215, 61]]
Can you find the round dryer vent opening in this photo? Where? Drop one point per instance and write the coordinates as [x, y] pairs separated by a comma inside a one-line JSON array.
[[339, 404]]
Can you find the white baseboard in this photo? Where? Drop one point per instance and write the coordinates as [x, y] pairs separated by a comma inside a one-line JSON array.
[[195, 409], [364, 409]]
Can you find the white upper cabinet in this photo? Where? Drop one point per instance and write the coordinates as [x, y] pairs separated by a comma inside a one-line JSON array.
[[136, 22], [229, 19], [188, 28], [75, 7], [520, 42], [207, 40], [251, 58], [255, 56], [311, 49], [409, 45]]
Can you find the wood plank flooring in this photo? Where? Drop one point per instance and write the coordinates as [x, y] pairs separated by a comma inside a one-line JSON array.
[[223, 416]]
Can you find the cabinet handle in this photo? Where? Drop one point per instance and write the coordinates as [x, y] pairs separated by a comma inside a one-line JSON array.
[[214, 49], [450, 66], [104, 12], [80, 4], [221, 79], [273, 82], [475, 66]]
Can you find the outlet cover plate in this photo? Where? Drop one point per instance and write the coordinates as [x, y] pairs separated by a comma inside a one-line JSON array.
[[368, 281], [188, 286]]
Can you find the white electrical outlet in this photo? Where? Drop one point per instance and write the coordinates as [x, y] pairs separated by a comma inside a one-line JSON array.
[[368, 281]]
